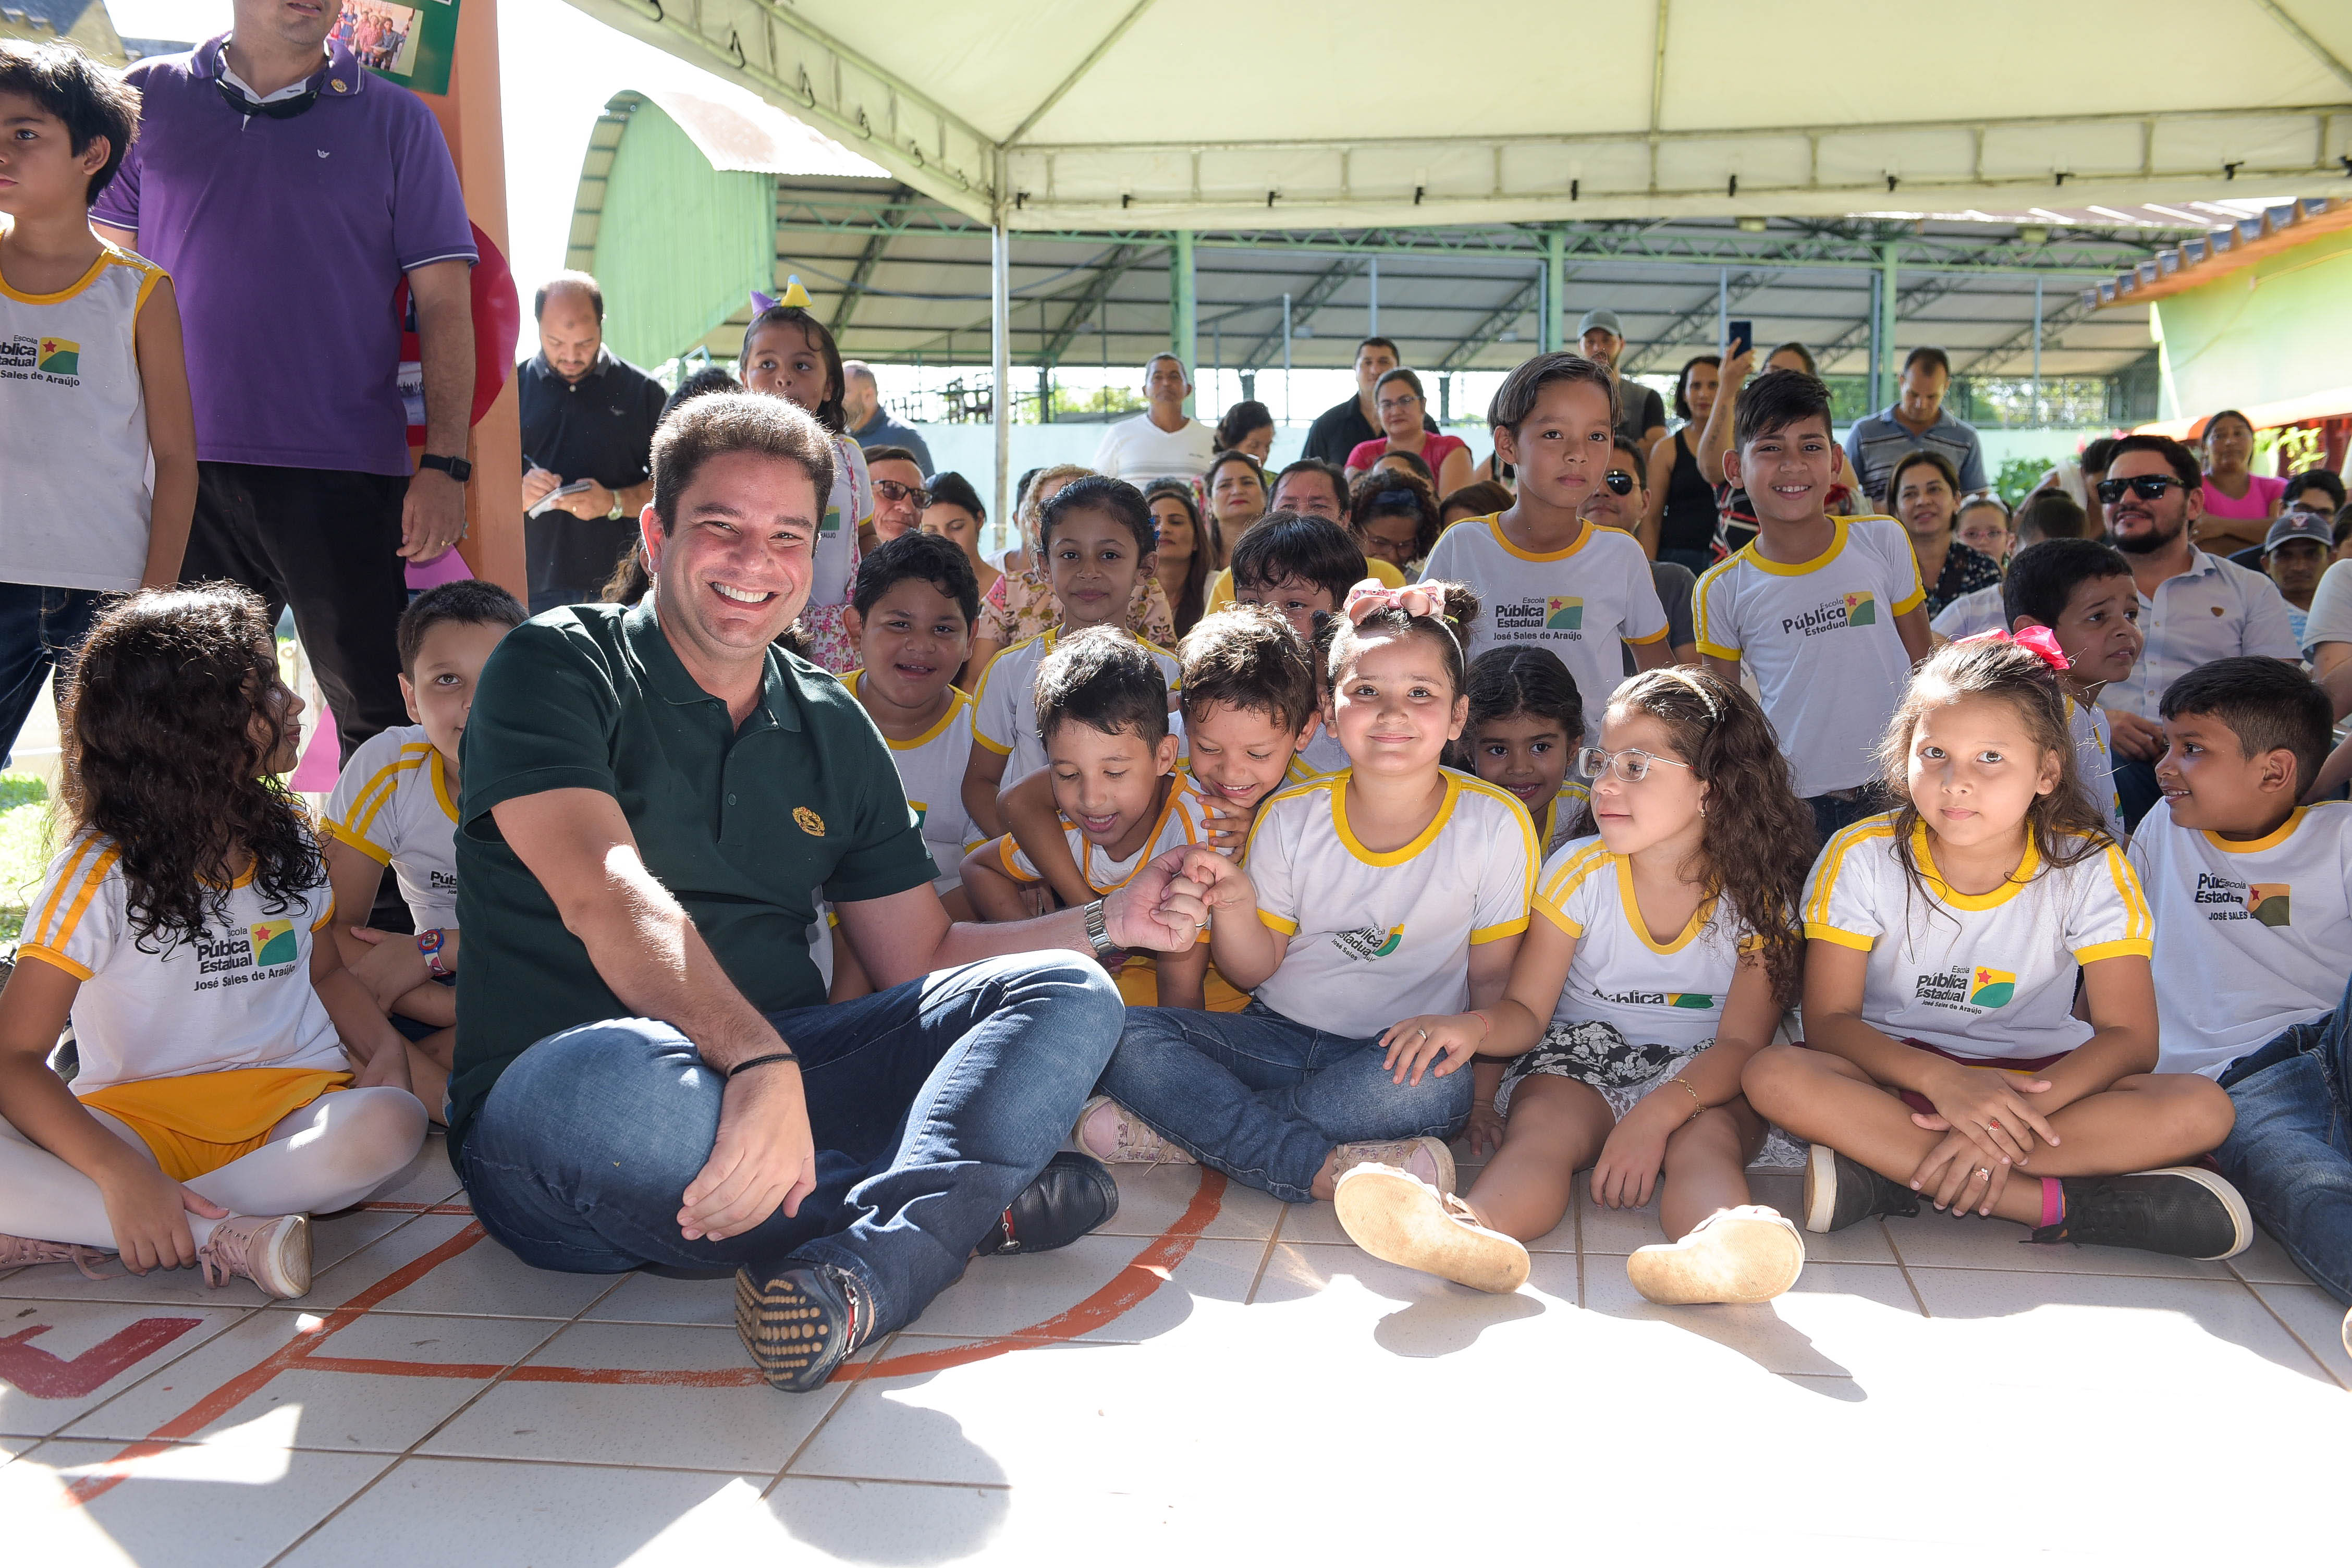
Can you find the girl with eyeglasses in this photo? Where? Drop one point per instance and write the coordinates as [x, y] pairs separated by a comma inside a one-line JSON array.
[[1666, 951], [1400, 402]]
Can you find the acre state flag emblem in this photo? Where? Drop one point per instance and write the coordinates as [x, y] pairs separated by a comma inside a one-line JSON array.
[[1992, 987], [1860, 610], [1564, 615], [58, 357], [2267, 902]]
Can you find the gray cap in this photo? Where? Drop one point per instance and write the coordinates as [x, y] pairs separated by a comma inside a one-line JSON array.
[[1604, 320], [2299, 525]]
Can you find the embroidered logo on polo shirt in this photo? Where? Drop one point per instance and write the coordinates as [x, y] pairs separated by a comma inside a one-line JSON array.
[[1369, 941], [2267, 902], [809, 822], [1859, 609]]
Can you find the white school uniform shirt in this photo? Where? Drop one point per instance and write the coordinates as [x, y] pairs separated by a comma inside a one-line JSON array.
[[1668, 994], [1183, 819], [1322, 757], [1582, 602], [240, 998], [1004, 717], [1560, 815], [2216, 609], [1988, 974], [78, 495], [930, 768], [393, 805], [1376, 937], [1819, 639], [1971, 615], [2252, 938], [2095, 758], [2330, 618]]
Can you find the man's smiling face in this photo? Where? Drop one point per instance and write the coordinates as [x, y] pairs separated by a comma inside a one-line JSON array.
[[734, 568]]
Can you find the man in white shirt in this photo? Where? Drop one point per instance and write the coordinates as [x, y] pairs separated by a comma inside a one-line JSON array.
[[2193, 608], [1163, 440]]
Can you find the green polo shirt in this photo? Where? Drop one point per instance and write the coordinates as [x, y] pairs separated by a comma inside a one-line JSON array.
[[743, 826]]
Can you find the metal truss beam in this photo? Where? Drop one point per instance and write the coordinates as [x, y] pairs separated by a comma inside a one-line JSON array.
[[1522, 300], [1316, 296], [1696, 325], [867, 259], [1115, 265]]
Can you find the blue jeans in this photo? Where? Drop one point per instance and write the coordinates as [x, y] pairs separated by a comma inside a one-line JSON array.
[[1833, 813], [41, 629], [932, 1104], [2290, 1151], [1264, 1098]]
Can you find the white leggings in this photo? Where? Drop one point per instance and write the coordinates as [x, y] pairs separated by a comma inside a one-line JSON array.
[[326, 1156]]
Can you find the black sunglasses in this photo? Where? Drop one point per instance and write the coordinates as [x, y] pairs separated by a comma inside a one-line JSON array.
[[1619, 481], [2147, 487], [894, 492]]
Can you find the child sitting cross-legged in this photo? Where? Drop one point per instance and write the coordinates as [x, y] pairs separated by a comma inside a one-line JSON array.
[[2253, 942], [1102, 710], [1249, 704], [1099, 541], [234, 1077], [2081, 590], [1668, 952], [1944, 1058], [396, 804], [1365, 896]]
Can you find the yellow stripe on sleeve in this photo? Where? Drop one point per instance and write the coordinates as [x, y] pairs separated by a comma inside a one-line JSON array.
[[2139, 920], [1833, 865], [81, 852], [90, 883], [51, 956], [1657, 636], [1854, 939], [1552, 913], [2127, 948], [1275, 923], [1484, 934], [343, 835], [1000, 749]]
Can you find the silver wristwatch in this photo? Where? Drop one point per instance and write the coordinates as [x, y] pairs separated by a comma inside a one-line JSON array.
[[1098, 933], [620, 508]]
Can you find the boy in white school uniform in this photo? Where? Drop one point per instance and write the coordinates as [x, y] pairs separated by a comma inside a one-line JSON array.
[[1827, 612], [2082, 591]]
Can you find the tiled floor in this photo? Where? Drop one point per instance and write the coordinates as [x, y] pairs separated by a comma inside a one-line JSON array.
[[1213, 1376]]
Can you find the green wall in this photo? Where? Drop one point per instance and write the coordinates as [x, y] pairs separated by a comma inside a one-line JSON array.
[[681, 244], [2276, 330]]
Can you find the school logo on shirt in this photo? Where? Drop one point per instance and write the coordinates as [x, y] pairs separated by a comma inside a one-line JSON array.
[[1564, 615], [2267, 902], [273, 943], [922, 814], [60, 356], [831, 523], [1993, 987], [1858, 609], [2227, 899], [809, 822], [1368, 942], [1697, 1001]]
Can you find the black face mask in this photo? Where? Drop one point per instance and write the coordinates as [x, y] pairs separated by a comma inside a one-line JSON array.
[[284, 109]]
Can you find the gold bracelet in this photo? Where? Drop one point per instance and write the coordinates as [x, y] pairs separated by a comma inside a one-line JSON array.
[[1698, 1106]]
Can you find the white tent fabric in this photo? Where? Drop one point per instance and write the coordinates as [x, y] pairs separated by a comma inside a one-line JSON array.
[[1199, 113]]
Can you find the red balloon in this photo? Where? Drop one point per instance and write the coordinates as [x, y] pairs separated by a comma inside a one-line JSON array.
[[498, 325]]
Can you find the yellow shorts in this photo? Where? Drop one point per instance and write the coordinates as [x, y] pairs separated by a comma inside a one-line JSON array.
[[202, 1121], [1138, 986]]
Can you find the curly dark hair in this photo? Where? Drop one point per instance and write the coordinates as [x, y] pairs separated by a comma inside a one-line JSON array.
[[1384, 492], [160, 757], [1759, 841]]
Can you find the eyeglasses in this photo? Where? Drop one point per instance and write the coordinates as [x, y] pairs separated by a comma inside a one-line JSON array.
[[894, 492], [2147, 487], [1631, 764], [1397, 404], [1619, 481]]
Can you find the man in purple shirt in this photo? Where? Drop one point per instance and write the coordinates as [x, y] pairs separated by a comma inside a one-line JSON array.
[[287, 192]]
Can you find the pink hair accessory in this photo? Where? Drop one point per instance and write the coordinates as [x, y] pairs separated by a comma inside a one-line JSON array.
[[2039, 641], [1370, 597]]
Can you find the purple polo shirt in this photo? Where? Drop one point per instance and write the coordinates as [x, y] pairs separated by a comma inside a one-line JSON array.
[[286, 240]]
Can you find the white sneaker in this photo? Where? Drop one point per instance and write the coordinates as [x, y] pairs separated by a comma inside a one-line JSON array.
[[1399, 1219], [23, 1251], [1116, 1136], [273, 1251], [1744, 1254], [1426, 1158]]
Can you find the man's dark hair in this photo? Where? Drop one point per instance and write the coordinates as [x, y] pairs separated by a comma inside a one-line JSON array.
[[1413, 461], [1681, 381], [1776, 400], [710, 378], [2050, 514], [1388, 343], [1636, 463], [2179, 458], [889, 455], [1121, 501], [2317, 480], [951, 489], [726, 422], [1332, 472], [2043, 578], [1287, 544], [1104, 679], [935, 559], [2267, 703], [1929, 355], [579, 280], [1247, 657], [1515, 400], [470, 602], [2097, 453], [92, 100]]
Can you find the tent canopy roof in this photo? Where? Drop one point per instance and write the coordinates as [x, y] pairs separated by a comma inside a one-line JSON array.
[[1081, 114]]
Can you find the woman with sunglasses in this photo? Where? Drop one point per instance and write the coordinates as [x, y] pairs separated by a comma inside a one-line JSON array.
[[2240, 505], [1397, 397]]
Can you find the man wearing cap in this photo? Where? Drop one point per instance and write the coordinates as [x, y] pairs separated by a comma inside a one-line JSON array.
[[1641, 412], [1915, 421], [2295, 551], [288, 193]]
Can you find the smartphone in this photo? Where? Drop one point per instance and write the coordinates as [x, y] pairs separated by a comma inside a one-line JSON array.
[[1743, 337]]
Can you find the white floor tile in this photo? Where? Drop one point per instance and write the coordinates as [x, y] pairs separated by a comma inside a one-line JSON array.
[[85, 1353], [2317, 1319], [1839, 1315], [1031, 1296], [1152, 1198], [2263, 1263], [487, 1279], [1933, 1241], [654, 1298]]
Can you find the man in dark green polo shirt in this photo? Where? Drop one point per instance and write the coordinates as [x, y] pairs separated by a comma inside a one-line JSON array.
[[646, 1071]]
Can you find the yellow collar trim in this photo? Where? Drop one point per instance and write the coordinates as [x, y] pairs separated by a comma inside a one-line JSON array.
[[1428, 836], [2027, 870], [1583, 535], [957, 698], [441, 784], [1782, 569], [1633, 907], [2271, 840]]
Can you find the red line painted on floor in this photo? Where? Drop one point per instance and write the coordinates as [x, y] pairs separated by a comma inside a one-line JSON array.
[[395, 1207], [47, 1376], [243, 1386]]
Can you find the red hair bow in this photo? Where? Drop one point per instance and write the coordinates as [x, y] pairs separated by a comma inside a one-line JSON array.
[[2039, 641]]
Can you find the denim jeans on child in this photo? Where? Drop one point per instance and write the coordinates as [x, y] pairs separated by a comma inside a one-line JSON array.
[[2291, 1152], [932, 1104], [1264, 1098], [41, 629]]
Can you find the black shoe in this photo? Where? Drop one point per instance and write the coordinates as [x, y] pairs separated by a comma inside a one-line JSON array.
[[1840, 1193], [800, 1324], [2180, 1210], [1071, 1196]]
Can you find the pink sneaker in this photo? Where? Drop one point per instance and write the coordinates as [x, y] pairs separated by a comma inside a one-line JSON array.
[[1116, 1136], [273, 1251], [1427, 1158], [22, 1252]]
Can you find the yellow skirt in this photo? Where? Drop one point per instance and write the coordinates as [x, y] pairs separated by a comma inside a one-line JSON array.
[[202, 1121]]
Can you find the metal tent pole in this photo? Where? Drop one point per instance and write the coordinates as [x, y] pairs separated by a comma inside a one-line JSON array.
[[1000, 335], [1887, 295], [1372, 319], [1554, 331], [2038, 418], [1285, 359], [1183, 306], [1723, 309]]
